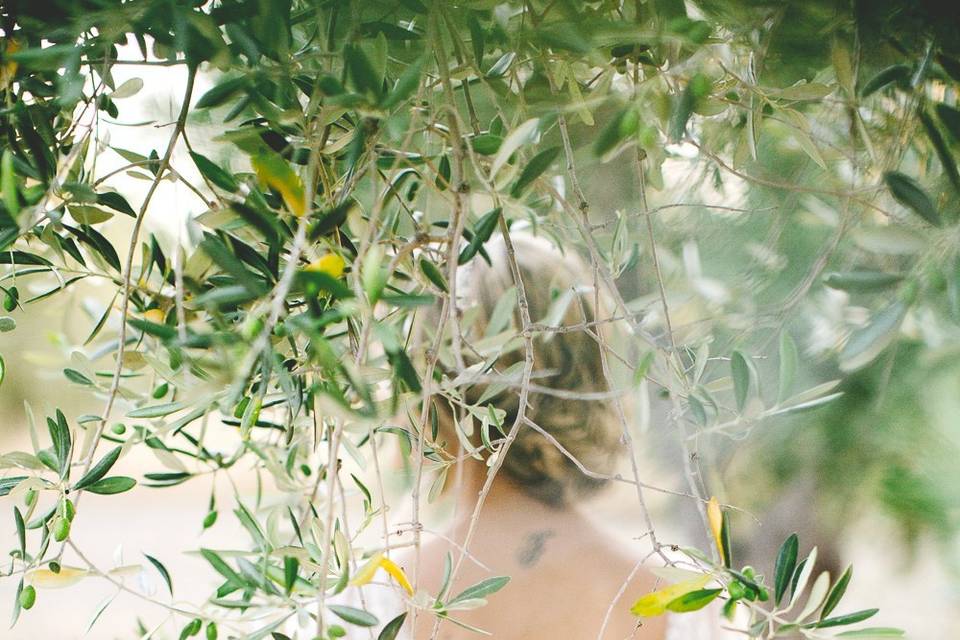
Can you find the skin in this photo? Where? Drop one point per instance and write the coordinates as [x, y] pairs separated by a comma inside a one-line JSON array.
[[564, 571]]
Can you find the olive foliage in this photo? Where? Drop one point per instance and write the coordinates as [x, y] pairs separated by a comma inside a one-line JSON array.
[[730, 170]]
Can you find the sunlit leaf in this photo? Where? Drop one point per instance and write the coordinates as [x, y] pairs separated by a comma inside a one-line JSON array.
[[396, 572], [331, 264], [65, 577], [655, 603], [379, 561], [276, 173], [715, 519]]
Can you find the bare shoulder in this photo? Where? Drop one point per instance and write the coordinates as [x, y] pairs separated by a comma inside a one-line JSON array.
[[604, 578], [567, 579]]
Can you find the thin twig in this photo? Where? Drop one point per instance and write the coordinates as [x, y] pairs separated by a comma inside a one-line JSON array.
[[91, 447]]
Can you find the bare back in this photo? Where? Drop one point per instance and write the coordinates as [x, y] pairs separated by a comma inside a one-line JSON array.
[[564, 576]]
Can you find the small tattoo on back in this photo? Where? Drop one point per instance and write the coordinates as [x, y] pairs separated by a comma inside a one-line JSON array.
[[534, 547]]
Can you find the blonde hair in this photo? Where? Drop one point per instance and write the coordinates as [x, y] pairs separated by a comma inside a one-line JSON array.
[[567, 361]]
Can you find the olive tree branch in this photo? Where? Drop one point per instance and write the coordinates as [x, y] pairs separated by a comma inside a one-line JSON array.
[[91, 445]]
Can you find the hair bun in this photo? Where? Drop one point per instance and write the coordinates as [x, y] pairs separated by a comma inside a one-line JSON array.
[[566, 361]]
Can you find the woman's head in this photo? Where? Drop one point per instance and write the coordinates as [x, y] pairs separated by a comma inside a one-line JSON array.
[[559, 293]]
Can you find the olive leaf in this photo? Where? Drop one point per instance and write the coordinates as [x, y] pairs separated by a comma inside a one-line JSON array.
[[909, 193]]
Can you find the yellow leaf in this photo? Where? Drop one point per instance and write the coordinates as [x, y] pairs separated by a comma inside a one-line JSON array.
[[134, 359], [840, 56], [394, 570], [365, 574], [273, 171], [126, 571], [156, 316], [655, 604], [46, 579], [715, 518], [331, 264], [9, 68]]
